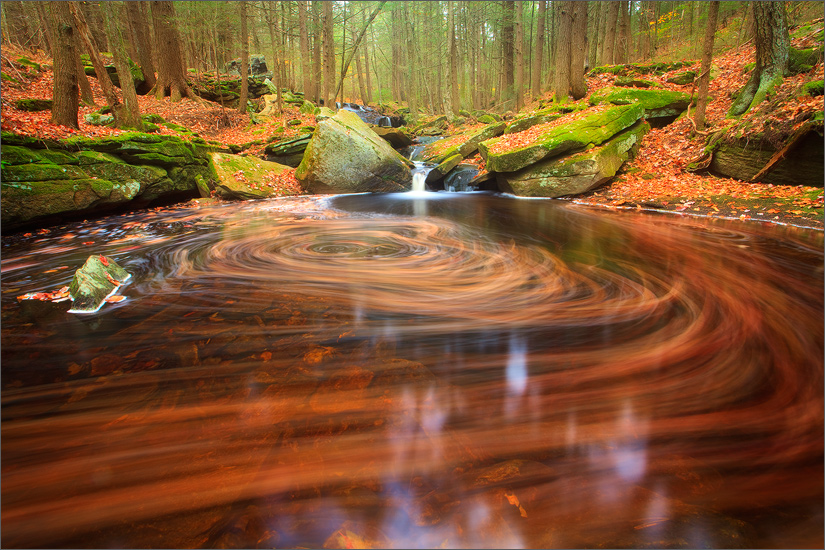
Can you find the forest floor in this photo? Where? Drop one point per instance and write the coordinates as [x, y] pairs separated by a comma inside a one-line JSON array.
[[656, 179]]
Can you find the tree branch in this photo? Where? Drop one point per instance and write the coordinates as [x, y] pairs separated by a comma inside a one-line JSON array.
[[355, 47]]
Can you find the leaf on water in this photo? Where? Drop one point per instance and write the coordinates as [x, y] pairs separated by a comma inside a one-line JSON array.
[[115, 299]]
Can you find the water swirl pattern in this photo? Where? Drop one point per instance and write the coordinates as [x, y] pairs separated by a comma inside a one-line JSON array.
[[407, 371]]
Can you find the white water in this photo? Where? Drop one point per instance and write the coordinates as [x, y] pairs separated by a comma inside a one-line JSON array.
[[418, 182]]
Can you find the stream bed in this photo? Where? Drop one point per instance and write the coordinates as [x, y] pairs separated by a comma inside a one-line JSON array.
[[416, 370]]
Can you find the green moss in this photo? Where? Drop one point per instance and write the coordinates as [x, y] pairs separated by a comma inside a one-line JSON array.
[[486, 119], [33, 105], [801, 61], [5, 77], [591, 128], [153, 118], [41, 172], [813, 88], [29, 63], [683, 78]]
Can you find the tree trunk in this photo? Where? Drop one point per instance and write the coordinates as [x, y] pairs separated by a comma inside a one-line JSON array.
[[456, 106], [538, 51], [610, 35], [594, 18], [329, 55], [244, 59], [604, 8], [623, 37], [518, 28], [578, 53], [368, 99], [44, 26], [772, 46], [317, 66], [86, 38], [507, 38], [707, 57], [143, 43], [306, 74], [86, 95], [171, 73], [271, 18], [561, 74], [127, 114], [65, 90]]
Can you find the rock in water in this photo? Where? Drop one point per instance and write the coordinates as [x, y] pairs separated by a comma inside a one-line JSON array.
[[98, 279], [345, 156]]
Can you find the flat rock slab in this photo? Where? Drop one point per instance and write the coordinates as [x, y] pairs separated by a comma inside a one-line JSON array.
[[574, 174], [568, 134], [656, 103], [98, 279], [245, 178]]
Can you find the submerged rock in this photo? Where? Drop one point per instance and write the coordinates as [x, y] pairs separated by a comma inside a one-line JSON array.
[[576, 173], [593, 126], [346, 156], [98, 279]]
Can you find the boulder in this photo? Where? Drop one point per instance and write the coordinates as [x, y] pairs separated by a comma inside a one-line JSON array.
[[288, 151], [98, 279], [33, 105], [464, 144], [745, 157], [345, 156], [577, 173], [523, 122], [578, 130], [395, 136], [683, 78], [81, 175], [245, 178], [656, 103], [444, 167], [631, 82]]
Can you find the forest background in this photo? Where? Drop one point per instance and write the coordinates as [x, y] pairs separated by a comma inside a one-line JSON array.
[[407, 58]]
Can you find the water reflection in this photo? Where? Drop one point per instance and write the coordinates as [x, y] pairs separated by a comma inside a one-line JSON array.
[[492, 372]]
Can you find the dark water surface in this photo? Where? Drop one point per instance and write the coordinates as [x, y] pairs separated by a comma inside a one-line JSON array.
[[449, 371]]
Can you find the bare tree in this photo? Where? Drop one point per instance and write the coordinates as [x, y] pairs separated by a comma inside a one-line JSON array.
[[561, 63], [171, 79], [518, 51], [128, 112], [707, 57], [578, 52], [65, 91], [244, 59], [772, 47], [538, 51]]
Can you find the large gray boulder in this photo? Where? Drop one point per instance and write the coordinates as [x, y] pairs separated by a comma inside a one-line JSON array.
[[574, 174], [345, 156]]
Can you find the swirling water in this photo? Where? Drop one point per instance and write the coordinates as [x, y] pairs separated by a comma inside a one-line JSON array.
[[438, 371]]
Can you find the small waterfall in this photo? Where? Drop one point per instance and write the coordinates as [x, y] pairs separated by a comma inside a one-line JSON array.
[[385, 122], [419, 177]]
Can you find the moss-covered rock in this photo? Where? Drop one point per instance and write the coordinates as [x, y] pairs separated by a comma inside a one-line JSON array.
[[521, 123], [345, 156], [444, 167], [486, 119], [656, 103], [683, 78], [577, 173], [34, 105], [307, 107], [464, 144], [97, 119], [743, 158], [813, 88], [593, 126], [631, 82], [802, 61], [81, 175], [99, 278], [244, 178], [394, 136]]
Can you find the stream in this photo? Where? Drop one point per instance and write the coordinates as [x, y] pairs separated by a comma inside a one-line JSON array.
[[415, 370]]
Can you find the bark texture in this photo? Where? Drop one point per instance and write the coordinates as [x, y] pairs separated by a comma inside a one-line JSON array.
[[65, 91], [171, 79]]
